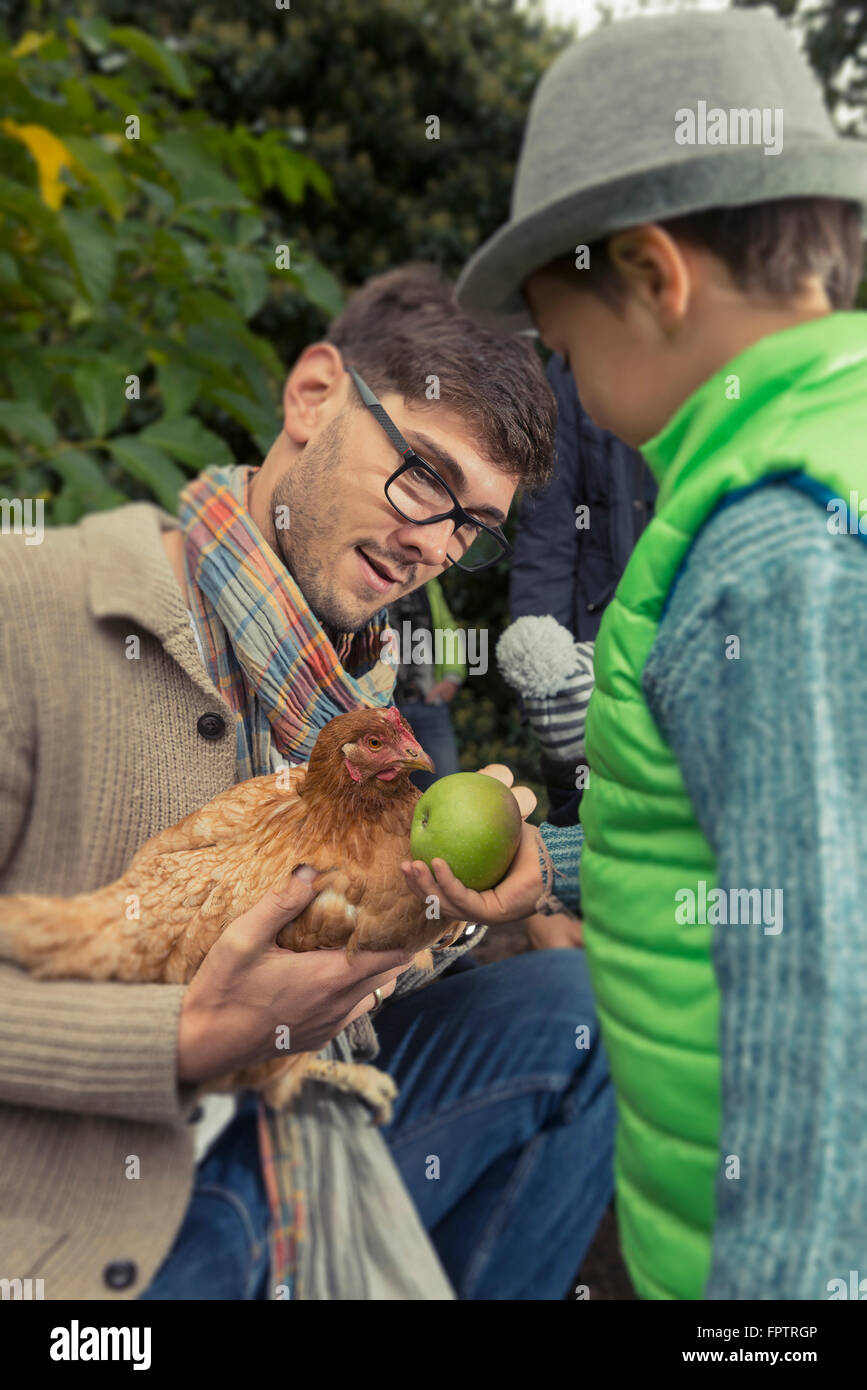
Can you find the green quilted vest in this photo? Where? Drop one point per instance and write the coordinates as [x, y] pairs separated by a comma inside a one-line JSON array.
[[802, 409]]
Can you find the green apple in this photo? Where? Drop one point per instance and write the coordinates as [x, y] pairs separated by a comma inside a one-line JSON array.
[[471, 821]]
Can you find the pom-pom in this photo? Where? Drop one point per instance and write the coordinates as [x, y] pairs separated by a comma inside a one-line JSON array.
[[537, 656]]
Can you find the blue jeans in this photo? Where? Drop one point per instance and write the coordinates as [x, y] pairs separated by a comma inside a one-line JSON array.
[[221, 1250], [432, 726], [503, 1132]]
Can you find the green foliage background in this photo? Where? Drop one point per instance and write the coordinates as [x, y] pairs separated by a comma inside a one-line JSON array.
[[154, 258]]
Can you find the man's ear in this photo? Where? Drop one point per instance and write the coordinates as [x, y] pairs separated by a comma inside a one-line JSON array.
[[317, 384], [655, 271]]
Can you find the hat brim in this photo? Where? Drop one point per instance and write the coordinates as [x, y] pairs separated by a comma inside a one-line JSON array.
[[490, 285]]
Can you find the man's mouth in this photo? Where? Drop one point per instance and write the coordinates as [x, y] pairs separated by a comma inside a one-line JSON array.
[[377, 575]]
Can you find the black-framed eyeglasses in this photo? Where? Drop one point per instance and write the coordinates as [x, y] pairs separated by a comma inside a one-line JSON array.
[[418, 494]]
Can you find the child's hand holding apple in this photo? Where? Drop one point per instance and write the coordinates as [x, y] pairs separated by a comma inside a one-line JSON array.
[[481, 832]]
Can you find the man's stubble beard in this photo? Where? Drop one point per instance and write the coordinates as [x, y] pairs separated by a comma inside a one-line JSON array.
[[308, 545]]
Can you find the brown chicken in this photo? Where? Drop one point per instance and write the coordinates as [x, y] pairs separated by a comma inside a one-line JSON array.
[[347, 813]]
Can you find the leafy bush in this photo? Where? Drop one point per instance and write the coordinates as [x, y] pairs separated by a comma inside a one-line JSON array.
[[133, 256], [353, 83]]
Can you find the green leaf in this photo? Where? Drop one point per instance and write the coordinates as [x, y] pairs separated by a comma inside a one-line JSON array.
[[202, 222], [10, 462], [99, 168], [100, 390], [188, 441], [149, 465], [317, 177], [31, 424], [250, 227], [9, 273], [318, 284], [85, 480], [79, 102], [259, 422], [247, 279], [163, 201], [94, 33], [164, 63], [196, 171], [118, 94], [28, 207], [292, 172], [94, 252], [179, 386]]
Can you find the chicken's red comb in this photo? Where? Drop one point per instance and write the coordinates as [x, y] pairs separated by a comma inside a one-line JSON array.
[[394, 716]]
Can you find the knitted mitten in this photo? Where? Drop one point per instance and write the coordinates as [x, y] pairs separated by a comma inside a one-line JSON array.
[[553, 674]]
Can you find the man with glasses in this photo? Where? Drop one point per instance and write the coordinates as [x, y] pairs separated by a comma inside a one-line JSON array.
[[260, 616]]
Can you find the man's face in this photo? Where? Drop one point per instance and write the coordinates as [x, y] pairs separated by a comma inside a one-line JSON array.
[[348, 549]]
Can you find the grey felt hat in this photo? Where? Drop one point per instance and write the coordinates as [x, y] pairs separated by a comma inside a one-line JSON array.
[[600, 151]]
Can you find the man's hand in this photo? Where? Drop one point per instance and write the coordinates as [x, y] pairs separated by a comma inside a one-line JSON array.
[[247, 987], [515, 897]]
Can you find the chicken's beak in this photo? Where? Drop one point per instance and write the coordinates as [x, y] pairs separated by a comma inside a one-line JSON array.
[[417, 758]]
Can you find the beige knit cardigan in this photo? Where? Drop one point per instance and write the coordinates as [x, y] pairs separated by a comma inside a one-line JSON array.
[[100, 751]]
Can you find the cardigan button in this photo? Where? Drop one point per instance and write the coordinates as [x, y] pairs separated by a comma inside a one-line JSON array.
[[120, 1274], [211, 725], [195, 1115]]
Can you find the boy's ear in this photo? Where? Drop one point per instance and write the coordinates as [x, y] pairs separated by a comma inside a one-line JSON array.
[[654, 270], [317, 381]]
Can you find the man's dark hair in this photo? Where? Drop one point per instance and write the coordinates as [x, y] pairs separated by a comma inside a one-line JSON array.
[[406, 326], [769, 248]]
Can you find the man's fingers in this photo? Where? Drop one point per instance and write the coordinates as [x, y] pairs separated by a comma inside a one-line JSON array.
[[366, 965], [261, 923], [368, 1002]]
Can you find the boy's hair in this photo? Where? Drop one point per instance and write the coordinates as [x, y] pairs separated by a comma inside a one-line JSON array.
[[768, 248], [405, 327]]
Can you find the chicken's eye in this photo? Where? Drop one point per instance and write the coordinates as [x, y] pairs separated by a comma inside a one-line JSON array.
[[373, 742]]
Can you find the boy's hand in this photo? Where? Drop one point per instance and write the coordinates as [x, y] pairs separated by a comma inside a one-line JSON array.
[[513, 898]]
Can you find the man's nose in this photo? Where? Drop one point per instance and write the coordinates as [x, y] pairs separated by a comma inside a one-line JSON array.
[[430, 542]]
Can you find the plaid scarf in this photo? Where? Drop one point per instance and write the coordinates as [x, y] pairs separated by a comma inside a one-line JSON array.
[[270, 659], [266, 652]]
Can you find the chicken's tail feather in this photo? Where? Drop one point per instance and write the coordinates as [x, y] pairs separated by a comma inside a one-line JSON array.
[[31, 926], [58, 938]]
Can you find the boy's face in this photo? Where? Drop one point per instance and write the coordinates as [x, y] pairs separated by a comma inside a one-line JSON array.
[[679, 318], [627, 382]]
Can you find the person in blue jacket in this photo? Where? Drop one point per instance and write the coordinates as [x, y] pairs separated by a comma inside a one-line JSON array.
[[574, 540]]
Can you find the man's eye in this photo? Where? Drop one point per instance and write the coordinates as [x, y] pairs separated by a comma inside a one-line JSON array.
[[421, 478]]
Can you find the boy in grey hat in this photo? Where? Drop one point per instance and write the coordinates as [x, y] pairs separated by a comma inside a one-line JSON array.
[[687, 229]]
